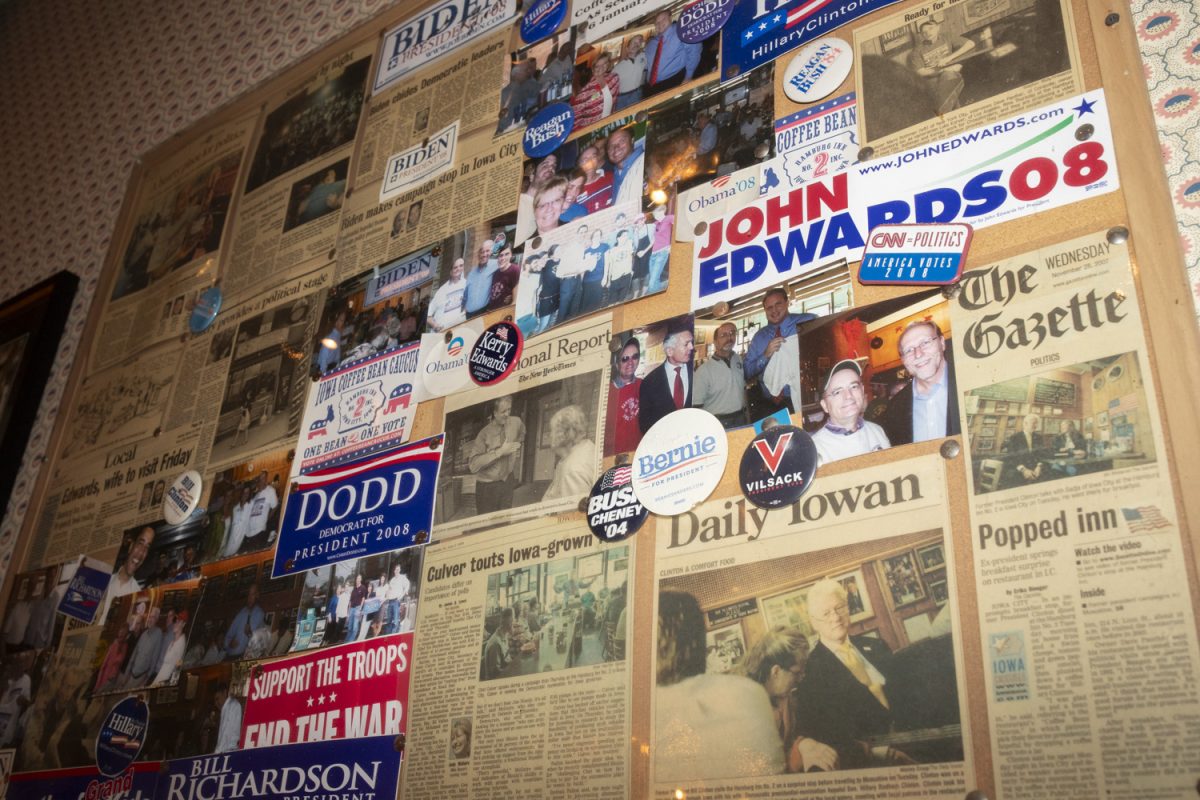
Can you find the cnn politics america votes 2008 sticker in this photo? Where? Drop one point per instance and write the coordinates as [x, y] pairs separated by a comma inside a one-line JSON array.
[[614, 511], [679, 461], [778, 466]]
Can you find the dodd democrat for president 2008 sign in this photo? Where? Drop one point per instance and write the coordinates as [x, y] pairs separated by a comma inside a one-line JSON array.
[[372, 506]]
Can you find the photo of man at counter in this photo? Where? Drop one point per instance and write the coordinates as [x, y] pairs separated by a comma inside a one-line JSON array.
[[562, 614]]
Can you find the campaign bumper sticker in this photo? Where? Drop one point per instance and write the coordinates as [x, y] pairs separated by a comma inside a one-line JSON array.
[[122, 735], [703, 18], [495, 354], [372, 506], [82, 598], [778, 466], [817, 70], [136, 783], [679, 461], [182, 497], [614, 511], [932, 253], [204, 313], [542, 19], [548, 129]]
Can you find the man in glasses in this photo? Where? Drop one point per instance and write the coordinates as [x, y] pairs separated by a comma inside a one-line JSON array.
[[926, 408], [846, 433], [721, 380]]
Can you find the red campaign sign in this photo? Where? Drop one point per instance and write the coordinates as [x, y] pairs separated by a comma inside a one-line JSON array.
[[344, 692]]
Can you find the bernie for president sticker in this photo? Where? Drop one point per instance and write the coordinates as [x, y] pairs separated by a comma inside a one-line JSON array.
[[613, 511], [778, 466], [680, 461], [495, 354]]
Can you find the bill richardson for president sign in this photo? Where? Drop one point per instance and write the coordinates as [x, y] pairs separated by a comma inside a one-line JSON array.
[[1002, 171], [372, 506]]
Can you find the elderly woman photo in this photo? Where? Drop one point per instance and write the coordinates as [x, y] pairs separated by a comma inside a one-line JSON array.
[[575, 471]]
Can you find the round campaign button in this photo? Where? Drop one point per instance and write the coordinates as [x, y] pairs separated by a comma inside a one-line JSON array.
[[778, 466], [444, 359], [121, 736], [542, 19], [208, 305], [495, 354], [548, 129], [182, 497], [817, 70], [680, 461], [613, 511], [703, 18]]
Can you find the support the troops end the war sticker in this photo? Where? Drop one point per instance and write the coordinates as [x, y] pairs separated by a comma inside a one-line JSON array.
[[495, 354], [614, 511], [778, 466]]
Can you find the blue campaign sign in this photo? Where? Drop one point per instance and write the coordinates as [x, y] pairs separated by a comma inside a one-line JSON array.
[[542, 19], [759, 31], [376, 505], [366, 767], [135, 783], [122, 735], [82, 598]]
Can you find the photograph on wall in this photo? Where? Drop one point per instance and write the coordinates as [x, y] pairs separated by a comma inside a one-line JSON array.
[[30, 615], [603, 260], [477, 272], [145, 638], [154, 554], [572, 599], [245, 501], [878, 376], [748, 358], [652, 374], [726, 647], [818, 689], [358, 599], [535, 619], [202, 713], [585, 175], [938, 69], [313, 196], [604, 70], [535, 449]]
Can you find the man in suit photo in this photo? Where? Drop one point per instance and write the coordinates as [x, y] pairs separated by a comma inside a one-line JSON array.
[[668, 386], [927, 407]]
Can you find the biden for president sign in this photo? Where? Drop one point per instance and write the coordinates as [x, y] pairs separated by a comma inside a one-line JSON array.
[[372, 506]]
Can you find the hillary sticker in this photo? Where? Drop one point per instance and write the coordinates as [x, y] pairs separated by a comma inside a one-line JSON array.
[[614, 512], [121, 736], [680, 461], [778, 466], [542, 19], [495, 354]]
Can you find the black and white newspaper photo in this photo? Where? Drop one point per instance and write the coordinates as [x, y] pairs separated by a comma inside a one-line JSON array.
[[1085, 618], [525, 681], [788, 662]]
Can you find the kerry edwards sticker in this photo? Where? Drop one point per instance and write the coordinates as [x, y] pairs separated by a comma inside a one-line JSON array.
[[680, 461], [419, 163], [121, 736], [915, 254], [372, 506], [817, 70], [182, 497], [778, 466], [495, 354], [614, 512]]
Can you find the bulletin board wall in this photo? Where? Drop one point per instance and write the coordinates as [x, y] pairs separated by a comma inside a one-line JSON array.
[[151, 399]]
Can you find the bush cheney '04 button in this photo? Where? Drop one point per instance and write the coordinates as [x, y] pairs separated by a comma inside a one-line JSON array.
[[548, 129], [613, 511], [542, 19]]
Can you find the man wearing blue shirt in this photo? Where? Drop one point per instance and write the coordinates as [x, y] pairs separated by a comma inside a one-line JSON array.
[[766, 343], [627, 158], [669, 60], [249, 618], [479, 281]]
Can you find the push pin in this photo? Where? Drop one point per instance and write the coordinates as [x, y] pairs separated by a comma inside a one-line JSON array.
[[536, 243], [951, 290], [1084, 132], [1112, 19], [436, 442], [422, 537], [289, 565], [332, 253], [976, 794], [158, 431], [449, 336], [721, 309], [583, 505], [614, 345], [1118, 234], [865, 153], [398, 743], [700, 228], [623, 459], [349, 192], [950, 449]]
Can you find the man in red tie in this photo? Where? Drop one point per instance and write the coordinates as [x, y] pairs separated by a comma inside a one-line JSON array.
[[669, 385]]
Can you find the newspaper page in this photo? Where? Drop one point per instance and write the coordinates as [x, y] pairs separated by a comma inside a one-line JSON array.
[[942, 67], [479, 187], [520, 675], [297, 178], [1073, 523], [175, 246], [813, 650], [533, 444]]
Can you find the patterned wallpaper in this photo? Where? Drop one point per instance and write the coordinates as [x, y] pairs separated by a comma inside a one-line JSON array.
[[88, 86]]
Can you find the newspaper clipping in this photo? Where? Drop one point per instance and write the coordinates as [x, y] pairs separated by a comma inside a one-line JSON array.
[[520, 675], [942, 67], [786, 666], [174, 248], [1073, 522], [535, 449]]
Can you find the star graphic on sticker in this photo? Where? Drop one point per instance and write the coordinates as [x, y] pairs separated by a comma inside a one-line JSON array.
[[332, 696], [749, 35], [321, 700], [1085, 107], [310, 702], [762, 26], [777, 18]]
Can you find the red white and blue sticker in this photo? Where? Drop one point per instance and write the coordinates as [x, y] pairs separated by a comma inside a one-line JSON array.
[[548, 129], [680, 461], [614, 511], [915, 254], [759, 31], [373, 506], [703, 19], [495, 354], [122, 735], [363, 407], [818, 70], [81, 601], [778, 466], [541, 19], [816, 143]]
